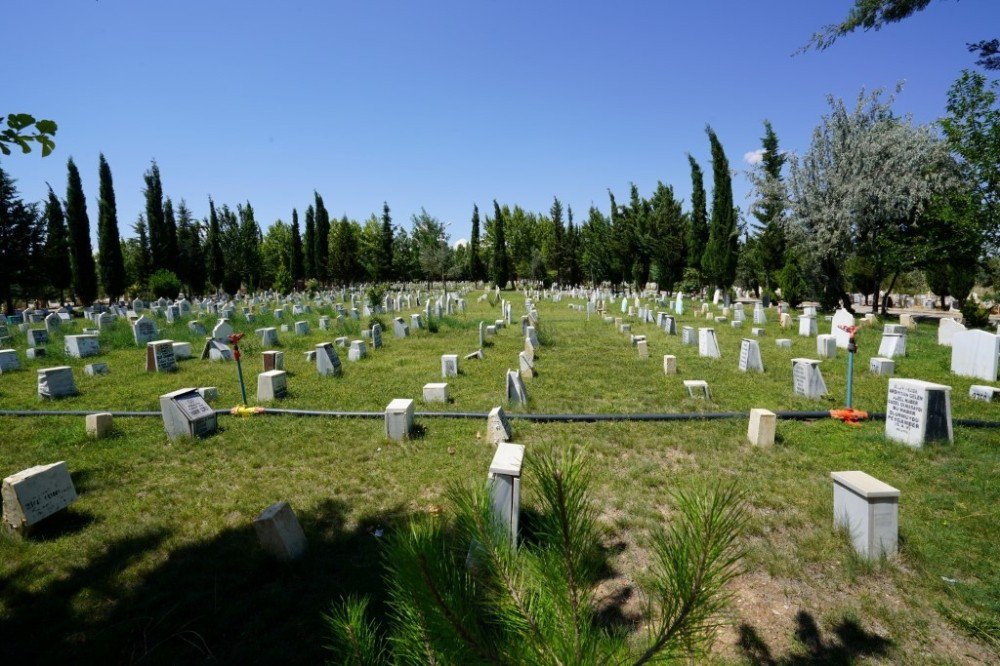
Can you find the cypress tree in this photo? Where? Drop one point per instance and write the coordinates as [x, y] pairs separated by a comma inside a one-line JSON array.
[[771, 208], [109, 247], [215, 260], [20, 235], [296, 249], [385, 256], [697, 237], [154, 219], [143, 262], [321, 261], [475, 261], [720, 257], [57, 262], [556, 254], [81, 251], [195, 255], [309, 253], [501, 262], [170, 244], [186, 226]]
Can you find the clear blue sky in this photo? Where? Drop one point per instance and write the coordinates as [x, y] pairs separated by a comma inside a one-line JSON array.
[[442, 104]]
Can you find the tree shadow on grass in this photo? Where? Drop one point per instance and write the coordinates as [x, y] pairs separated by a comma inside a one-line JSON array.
[[851, 643], [222, 599]]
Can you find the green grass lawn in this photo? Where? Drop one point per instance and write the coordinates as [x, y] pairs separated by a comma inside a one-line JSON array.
[[157, 560]]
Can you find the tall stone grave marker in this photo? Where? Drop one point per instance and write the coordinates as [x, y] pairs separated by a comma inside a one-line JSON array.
[[918, 412]]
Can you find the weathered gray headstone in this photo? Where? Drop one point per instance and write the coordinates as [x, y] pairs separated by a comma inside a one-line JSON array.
[[36, 493]]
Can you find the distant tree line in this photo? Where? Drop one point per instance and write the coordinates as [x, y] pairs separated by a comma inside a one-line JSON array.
[[873, 202]]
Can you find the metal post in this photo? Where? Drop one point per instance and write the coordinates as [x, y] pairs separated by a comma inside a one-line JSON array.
[[235, 341]]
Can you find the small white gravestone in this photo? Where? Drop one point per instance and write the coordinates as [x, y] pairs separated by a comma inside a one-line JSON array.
[[324, 323], [436, 392], [826, 346], [688, 336], [784, 343], [498, 427], [272, 385], [399, 419], [669, 325], [449, 365], [697, 388], [273, 360], [279, 533], [36, 493], [376, 336], [222, 331], [841, 318], [643, 349], [947, 328], [209, 393], [9, 361], [785, 320], [301, 328], [358, 350], [399, 327], [516, 393], [182, 350], [807, 326], [415, 323], [869, 510], [707, 344], [56, 382], [974, 354], [896, 329], [669, 364], [186, 414], [763, 424], [983, 393], [195, 327], [759, 315], [807, 380], [750, 360], [531, 337], [526, 366], [679, 304], [327, 361], [37, 337], [160, 356], [82, 346], [268, 336], [96, 369], [892, 345], [98, 425], [917, 412], [53, 323], [883, 367], [505, 486]]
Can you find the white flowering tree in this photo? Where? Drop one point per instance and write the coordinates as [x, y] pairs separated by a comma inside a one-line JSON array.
[[864, 188]]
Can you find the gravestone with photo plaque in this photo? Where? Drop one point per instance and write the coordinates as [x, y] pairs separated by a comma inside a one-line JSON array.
[[186, 414]]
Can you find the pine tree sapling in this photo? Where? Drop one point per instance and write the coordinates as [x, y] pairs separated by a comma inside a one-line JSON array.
[[460, 592]]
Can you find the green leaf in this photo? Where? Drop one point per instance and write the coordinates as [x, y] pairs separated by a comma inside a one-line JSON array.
[[20, 120], [46, 126]]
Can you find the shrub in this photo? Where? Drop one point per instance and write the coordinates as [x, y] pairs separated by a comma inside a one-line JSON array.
[[164, 284], [975, 315], [461, 593]]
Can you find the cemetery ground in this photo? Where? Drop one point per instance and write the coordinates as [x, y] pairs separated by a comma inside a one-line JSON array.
[[157, 560]]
